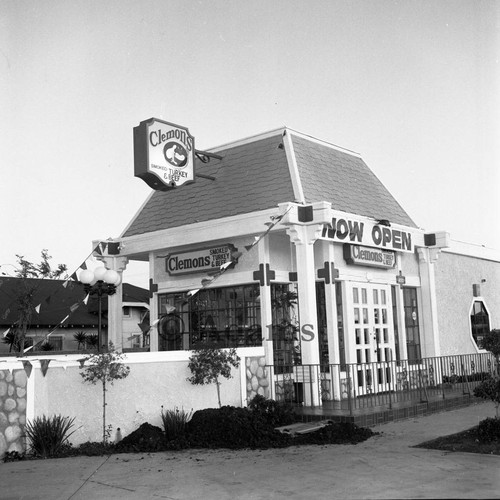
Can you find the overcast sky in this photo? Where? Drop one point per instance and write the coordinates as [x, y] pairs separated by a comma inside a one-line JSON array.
[[413, 86]]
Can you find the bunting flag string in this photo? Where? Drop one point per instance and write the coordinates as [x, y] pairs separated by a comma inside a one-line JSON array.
[[205, 282], [74, 306]]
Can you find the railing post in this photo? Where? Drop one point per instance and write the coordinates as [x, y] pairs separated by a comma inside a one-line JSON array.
[[349, 389]]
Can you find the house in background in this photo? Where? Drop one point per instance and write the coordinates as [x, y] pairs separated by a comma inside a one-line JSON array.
[[58, 302]]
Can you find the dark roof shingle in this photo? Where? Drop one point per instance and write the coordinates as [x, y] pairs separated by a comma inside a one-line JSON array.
[[344, 180], [249, 178], [255, 176]]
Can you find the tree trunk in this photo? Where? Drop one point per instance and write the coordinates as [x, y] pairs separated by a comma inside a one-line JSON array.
[[104, 411], [217, 383]]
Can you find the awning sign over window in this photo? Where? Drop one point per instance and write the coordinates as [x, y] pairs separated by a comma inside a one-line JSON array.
[[365, 256], [205, 259]]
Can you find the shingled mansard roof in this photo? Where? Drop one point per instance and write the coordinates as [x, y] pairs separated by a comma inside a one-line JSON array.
[[257, 173], [56, 300]]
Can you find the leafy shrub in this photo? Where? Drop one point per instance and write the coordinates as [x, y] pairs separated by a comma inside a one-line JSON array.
[[13, 456], [49, 435], [488, 430], [232, 427], [276, 413], [490, 389], [174, 423], [94, 449]]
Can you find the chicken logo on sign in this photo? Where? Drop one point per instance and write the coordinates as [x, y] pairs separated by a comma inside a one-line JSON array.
[[163, 154], [175, 154]]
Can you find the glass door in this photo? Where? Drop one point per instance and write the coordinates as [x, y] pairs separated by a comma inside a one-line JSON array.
[[373, 331]]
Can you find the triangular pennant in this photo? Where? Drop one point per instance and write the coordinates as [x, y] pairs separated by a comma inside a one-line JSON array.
[[28, 349], [65, 284], [144, 326], [192, 293], [104, 245], [6, 332], [206, 281], [74, 277], [47, 300], [63, 320], [82, 362], [248, 247], [83, 266], [27, 368], [44, 365], [155, 322], [86, 299], [97, 249], [37, 308], [74, 307]]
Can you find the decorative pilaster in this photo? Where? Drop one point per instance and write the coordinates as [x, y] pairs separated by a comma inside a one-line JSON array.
[[115, 302], [427, 258]]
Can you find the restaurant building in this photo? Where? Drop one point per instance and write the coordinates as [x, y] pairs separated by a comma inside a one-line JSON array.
[[290, 245]]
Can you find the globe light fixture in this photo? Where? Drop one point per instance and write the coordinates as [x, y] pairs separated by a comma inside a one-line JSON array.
[[100, 282]]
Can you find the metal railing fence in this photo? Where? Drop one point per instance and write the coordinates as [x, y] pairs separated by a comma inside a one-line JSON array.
[[368, 385]]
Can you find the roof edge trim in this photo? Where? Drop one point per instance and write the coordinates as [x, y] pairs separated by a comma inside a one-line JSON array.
[[323, 143], [248, 140], [298, 190]]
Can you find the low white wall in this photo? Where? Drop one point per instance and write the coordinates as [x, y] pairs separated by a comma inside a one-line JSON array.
[[155, 379]]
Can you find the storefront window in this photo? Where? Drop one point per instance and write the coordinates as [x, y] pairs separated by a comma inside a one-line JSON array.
[[324, 357], [221, 317], [412, 324], [340, 323], [480, 322], [285, 327], [395, 322]]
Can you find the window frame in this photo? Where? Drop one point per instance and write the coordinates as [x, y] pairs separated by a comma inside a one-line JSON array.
[[471, 308]]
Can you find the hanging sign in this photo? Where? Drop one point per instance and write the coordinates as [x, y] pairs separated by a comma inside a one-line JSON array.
[[163, 154], [366, 256], [205, 259]]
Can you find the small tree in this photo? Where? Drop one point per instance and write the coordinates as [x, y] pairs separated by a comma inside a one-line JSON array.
[[26, 271], [207, 364], [105, 367], [490, 388]]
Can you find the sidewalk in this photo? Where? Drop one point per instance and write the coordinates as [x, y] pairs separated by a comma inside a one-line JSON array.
[[385, 466]]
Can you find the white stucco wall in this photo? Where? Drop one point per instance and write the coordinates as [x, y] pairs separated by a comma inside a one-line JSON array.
[[455, 274], [155, 379]]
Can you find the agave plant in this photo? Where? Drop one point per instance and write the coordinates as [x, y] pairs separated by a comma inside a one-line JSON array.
[[81, 337], [46, 346], [93, 340], [48, 435]]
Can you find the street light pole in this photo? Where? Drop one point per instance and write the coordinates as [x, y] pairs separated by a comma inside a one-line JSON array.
[[101, 282]]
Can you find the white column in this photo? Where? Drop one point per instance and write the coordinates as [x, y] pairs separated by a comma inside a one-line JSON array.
[[431, 344], [115, 302], [153, 308], [266, 314], [304, 237]]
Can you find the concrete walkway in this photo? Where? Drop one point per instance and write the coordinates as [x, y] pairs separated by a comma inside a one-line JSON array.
[[385, 466]]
